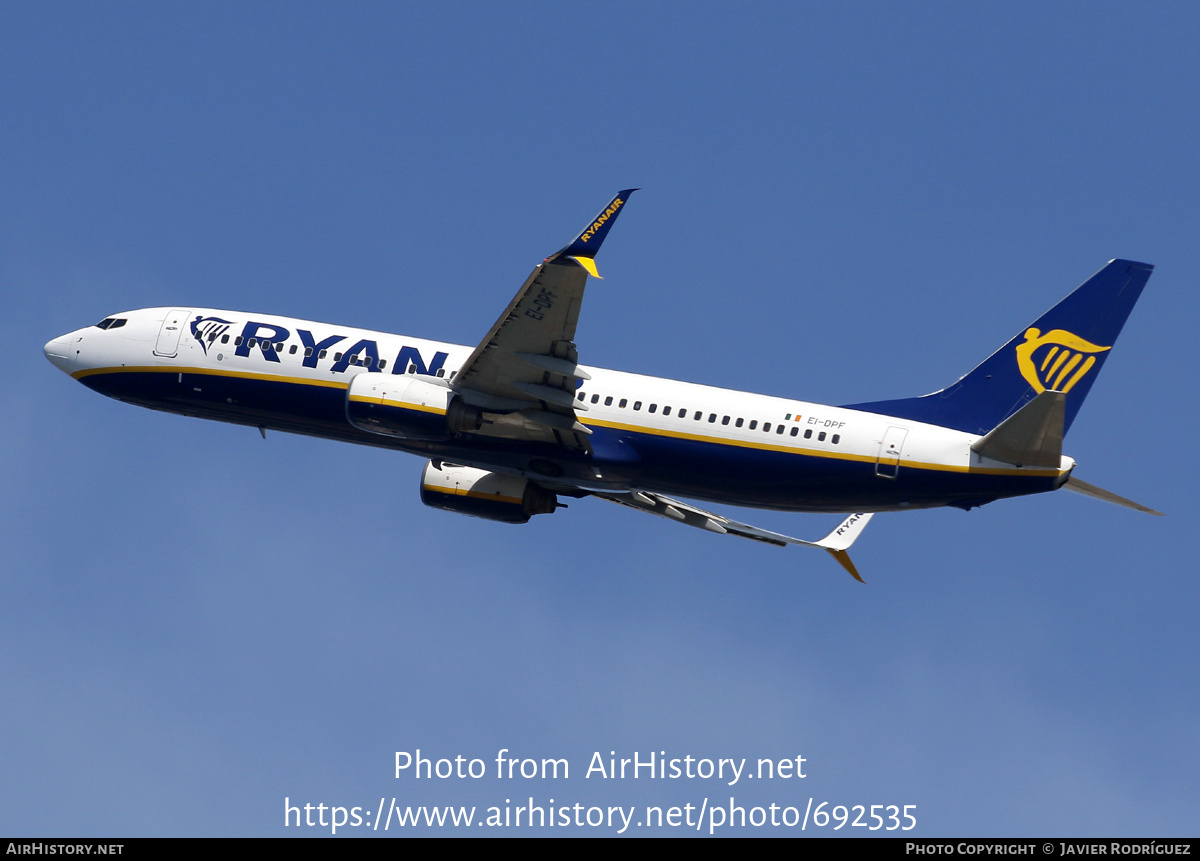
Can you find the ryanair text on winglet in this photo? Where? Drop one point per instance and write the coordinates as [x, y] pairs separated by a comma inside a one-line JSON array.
[[599, 222]]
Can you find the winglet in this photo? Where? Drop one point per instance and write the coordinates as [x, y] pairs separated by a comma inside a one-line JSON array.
[[846, 532], [843, 559], [583, 250], [839, 540], [836, 542]]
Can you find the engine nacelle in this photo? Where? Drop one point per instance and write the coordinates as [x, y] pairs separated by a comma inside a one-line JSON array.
[[408, 406], [490, 495]]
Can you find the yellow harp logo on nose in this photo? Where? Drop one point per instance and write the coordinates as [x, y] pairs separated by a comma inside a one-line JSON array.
[[1061, 365]]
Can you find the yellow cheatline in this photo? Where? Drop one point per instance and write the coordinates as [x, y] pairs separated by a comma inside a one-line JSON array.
[[815, 452], [419, 408], [810, 452], [400, 405], [455, 491]]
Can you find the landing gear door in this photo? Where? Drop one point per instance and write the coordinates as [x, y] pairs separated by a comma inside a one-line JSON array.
[[887, 465], [167, 344]]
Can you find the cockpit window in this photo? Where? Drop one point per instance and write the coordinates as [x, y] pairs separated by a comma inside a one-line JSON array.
[[111, 323]]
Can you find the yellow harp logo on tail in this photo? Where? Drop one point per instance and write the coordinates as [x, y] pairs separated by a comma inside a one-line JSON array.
[[1061, 365]]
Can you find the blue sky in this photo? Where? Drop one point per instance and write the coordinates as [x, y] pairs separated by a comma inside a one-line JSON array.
[[841, 203]]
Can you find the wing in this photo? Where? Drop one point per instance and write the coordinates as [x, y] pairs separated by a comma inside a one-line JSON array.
[[525, 371], [836, 543]]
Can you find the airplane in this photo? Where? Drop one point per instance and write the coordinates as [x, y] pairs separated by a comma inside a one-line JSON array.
[[516, 422]]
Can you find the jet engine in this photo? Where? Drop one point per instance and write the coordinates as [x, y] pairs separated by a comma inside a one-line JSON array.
[[490, 495], [408, 406]]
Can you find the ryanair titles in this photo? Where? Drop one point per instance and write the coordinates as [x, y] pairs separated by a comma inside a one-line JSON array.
[[268, 339], [603, 217]]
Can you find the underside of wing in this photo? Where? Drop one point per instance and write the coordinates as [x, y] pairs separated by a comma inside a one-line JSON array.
[[836, 543], [524, 373]]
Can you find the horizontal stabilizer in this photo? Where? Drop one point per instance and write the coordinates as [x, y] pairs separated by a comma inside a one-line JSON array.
[[1086, 489], [1032, 436]]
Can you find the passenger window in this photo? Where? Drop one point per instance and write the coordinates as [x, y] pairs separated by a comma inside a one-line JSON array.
[[252, 343], [292, 350], [322, 354], [821, 436], [654, 408], [637, 405], [382, 364], [837, 437], [666, 411], [582, 397], [808, 434], [212, 336], [795, 430], [725, 420], [779, 429], [224, 339], [279, 347], [754, 424], [766, 427], [623, 403], [608, 401], [412, 369], [337, 357], [738, 423], [441, 371], [699, 415], [237, 342], [712, 417], [595, 399]]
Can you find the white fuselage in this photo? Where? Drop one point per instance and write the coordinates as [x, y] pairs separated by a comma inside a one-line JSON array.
[[648, 433]]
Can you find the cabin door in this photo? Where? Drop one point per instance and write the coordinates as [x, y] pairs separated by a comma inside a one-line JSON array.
[[168, 336], [887, 465]]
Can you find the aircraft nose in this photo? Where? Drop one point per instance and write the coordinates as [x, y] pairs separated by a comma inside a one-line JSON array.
[[61, 351]]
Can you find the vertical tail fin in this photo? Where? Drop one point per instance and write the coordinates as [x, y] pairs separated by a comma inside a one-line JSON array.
[[1061, 351]]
